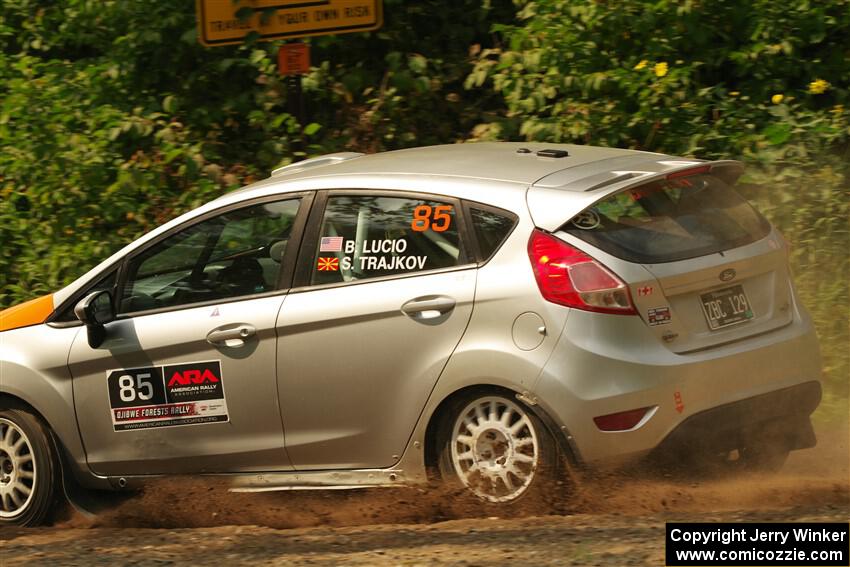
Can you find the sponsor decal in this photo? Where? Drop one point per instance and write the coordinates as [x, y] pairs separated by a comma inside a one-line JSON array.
[[331, 244], [328, 265], [166, 396], [645, 290], [658, 316], [373, 255], [677, 398]]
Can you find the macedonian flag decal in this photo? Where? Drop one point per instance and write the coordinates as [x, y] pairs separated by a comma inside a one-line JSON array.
[[328, 264]]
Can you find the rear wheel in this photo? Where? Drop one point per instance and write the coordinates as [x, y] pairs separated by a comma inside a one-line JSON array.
[[27, 469], [499, 450]]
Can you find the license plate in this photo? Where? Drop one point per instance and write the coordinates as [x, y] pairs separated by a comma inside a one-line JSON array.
[[725, 307]]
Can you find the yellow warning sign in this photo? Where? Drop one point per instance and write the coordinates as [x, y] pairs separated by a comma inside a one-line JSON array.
[[223, 22]]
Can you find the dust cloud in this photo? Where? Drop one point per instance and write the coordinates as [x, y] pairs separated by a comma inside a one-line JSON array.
[[813, 477]]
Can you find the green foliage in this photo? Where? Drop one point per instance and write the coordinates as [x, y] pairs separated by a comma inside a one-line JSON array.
[[812, 209], [695, 77], [114, 119]]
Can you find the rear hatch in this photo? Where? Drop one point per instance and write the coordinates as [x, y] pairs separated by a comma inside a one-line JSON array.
[[703, 267]]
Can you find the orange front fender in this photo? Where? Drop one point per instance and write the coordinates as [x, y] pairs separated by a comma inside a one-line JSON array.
[[33, 312]]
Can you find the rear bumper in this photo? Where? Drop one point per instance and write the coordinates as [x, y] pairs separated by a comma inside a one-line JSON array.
[[781, 415], [605, 364]]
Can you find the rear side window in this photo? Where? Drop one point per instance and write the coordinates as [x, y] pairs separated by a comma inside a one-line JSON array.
[[491, 229], [670, 219], [366, 237]]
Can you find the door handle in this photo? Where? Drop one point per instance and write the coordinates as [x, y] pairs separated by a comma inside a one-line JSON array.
[[232, 337], [428, 308]]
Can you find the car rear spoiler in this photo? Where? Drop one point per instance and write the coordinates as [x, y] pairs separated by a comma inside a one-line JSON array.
[[556, 198]]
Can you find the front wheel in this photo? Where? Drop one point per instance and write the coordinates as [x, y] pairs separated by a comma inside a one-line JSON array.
[[27, 469], [499, 450]]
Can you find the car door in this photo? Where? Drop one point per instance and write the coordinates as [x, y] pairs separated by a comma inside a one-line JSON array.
[[185, 380], [383, 295]]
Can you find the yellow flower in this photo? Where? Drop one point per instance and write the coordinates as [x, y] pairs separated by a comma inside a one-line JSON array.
[[660, 69], [734, 93], [838, 109], [777, 98], [641, 65], [818, 86]]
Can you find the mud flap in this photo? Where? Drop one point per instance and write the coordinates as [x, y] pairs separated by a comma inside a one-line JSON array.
[[86, 502]]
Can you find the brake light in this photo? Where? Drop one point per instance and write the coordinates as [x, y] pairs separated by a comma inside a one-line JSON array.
[[567, 276], [690, 171]]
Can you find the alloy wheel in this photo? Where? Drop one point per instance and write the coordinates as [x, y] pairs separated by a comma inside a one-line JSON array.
[[18, 474], [495, 449]]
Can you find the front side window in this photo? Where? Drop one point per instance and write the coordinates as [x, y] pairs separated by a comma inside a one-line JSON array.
[[365, 237], [234, 254]]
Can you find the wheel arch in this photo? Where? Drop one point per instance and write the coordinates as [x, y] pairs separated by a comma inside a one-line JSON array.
[[57, 415], [559, 433], [13, 401]]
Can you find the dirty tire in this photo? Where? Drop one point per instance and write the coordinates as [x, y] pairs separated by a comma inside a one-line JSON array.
[[502, 454], [28, 469]]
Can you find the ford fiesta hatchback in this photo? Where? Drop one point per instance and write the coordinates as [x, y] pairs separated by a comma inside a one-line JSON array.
[[484, 313]]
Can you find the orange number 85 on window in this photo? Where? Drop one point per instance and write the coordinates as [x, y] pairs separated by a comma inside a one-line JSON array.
[[423, 219]]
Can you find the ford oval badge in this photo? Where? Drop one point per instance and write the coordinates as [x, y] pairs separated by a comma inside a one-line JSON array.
[[728, 275]]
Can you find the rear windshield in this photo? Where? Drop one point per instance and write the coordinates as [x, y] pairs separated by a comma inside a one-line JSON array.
[[670, 219]]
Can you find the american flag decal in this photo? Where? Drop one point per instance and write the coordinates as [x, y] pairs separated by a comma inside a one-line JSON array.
[[328, 264], [331, 244]]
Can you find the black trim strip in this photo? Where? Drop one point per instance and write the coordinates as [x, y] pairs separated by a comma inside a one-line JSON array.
[[467, 206]]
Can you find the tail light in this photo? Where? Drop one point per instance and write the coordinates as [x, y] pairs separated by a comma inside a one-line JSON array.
[[567, 276]]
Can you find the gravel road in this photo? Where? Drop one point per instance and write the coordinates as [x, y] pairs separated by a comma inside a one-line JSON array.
[[582, 539], [610, 521]]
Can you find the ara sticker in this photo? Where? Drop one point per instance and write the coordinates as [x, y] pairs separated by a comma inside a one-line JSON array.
[[166, 396], [677, 398], [328, 265], [658, 316]]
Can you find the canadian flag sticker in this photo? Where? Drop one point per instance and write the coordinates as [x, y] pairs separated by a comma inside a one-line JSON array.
[[645, 290]]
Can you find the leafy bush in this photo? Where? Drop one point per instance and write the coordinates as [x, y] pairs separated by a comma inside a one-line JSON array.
[[114, 119], [679, 77]]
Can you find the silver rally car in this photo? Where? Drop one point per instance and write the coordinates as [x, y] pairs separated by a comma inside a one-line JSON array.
[[490, 314]]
